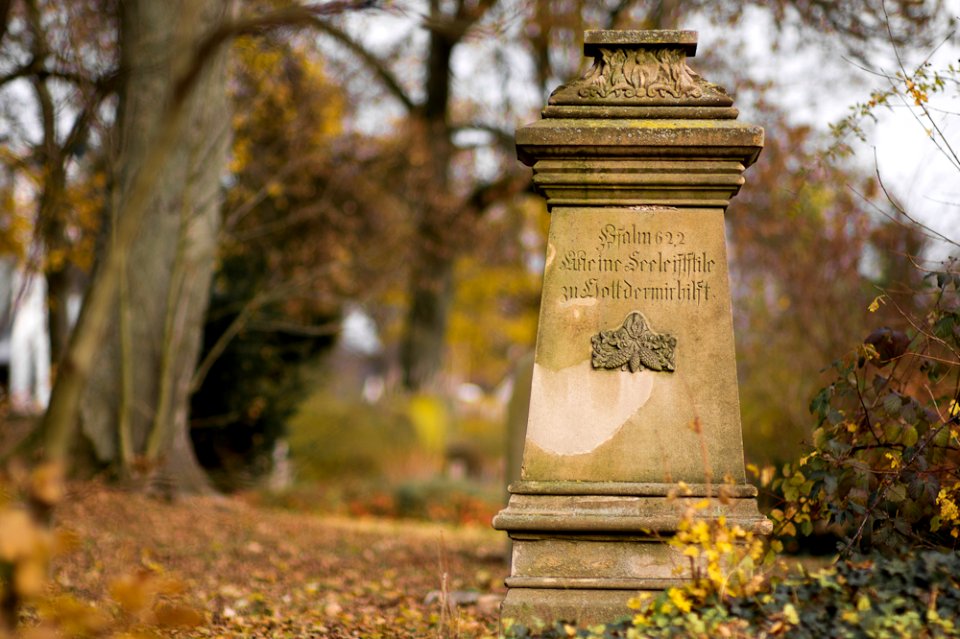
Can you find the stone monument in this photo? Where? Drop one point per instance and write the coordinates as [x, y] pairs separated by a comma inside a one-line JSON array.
[[634, 386]]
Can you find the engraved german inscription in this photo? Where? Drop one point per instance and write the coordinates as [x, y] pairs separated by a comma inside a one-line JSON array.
[[693, 291], [614, 237], [637, 263]]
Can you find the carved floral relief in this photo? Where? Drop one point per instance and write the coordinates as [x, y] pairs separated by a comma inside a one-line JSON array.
[[633, 346], [626, 73], [639, 74]]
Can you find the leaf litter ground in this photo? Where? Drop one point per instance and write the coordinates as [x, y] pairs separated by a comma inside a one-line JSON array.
[[259, 572]]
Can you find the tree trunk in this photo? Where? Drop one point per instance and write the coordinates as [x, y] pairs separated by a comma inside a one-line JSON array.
[[59, 287], [426, 328], [134, 407], [431, 283]]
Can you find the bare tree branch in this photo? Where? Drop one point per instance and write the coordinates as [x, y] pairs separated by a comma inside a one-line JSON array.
[[35, 69], [294, 328], [500, 190], [372, 62], [291, 17], [504, 139], [4, 17], [926, 229]]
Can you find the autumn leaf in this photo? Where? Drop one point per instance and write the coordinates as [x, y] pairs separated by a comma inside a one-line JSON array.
[[177, 616]]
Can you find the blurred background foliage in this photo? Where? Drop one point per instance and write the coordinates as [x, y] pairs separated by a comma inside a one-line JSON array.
[[380, 253]]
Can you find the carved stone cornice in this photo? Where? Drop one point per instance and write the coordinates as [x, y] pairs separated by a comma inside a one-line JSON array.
[[641, 128], [641, 70], [617, 162]]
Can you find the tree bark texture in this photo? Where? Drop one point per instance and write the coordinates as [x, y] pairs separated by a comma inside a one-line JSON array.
[[431, 280], [134, 407]]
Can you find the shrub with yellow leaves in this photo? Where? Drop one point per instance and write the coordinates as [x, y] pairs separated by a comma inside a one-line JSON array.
[[723, 559], [26, 542], [724, 562]]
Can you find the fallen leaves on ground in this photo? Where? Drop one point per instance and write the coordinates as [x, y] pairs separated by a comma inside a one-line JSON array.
[[255, 572]]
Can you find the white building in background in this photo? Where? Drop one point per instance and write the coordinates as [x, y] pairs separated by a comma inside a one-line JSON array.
[[360, 340], [24, 340]]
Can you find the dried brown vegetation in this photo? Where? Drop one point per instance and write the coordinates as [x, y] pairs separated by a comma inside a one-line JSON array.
[[255, 572]]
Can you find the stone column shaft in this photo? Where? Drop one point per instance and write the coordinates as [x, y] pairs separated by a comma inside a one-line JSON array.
[[634, 385]]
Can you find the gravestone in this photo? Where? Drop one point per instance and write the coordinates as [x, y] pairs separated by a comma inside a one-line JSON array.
[[634, 385]]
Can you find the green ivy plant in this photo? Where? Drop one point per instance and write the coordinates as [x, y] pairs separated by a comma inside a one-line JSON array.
[[884, 470], [917, 597]]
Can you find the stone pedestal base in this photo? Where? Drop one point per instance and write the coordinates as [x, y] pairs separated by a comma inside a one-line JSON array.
[[581, 557], [589, 607]]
